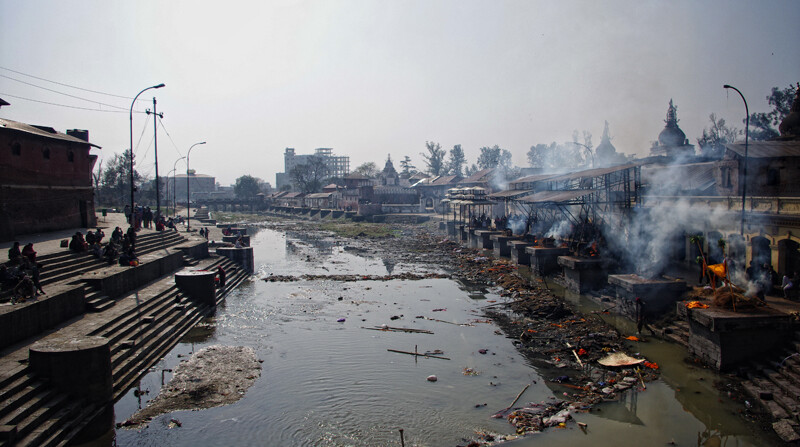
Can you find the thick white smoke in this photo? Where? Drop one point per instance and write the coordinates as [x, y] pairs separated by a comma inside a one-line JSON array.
[[646, 236]]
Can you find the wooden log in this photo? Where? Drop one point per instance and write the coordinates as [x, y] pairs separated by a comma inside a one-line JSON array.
[[418, 354]]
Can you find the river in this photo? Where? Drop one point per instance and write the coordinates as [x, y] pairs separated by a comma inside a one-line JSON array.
[[327, 382]]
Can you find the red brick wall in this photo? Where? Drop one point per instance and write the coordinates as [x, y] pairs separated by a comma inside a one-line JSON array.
[[40, 194]]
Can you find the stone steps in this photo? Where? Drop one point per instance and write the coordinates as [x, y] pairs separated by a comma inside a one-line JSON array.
[[775, 385], [97, 301], [46, 417]]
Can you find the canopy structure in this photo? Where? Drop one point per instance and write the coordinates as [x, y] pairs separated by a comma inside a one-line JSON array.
[[581, 199]]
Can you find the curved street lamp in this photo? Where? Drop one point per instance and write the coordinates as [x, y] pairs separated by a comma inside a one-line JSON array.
[[744, 170], [174, 185], [188, 200], [131, 148]]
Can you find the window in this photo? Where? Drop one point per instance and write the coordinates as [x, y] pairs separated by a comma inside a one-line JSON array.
[[70, 156], [16, 148], [46, 153]]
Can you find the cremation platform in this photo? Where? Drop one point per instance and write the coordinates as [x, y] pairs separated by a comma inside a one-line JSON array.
[[463, 232], [483, 238], [723, 338], [544, 260], [500, 242], [582, 274], [658, 295], [518, 253]]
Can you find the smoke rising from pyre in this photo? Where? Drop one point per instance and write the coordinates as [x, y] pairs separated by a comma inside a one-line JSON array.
[[645, 238]]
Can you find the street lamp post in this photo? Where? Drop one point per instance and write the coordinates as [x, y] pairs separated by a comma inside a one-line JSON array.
[[588, 149], [188, 197], [175, 186], [131, 148], [744, 169]]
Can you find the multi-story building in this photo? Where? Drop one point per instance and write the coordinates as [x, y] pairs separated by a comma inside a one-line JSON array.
[[200, 184], [337, 165]]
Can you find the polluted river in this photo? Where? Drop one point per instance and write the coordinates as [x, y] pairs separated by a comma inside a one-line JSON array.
[[331, 373]]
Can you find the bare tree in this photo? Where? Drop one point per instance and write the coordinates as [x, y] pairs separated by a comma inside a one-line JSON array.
[[308, 177]]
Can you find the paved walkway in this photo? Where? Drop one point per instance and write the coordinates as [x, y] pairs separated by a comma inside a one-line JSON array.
[[50, 242]]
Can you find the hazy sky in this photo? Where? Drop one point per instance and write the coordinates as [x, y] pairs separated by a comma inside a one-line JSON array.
[[378, 77]]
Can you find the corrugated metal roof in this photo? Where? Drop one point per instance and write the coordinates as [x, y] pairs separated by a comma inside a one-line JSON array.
[[767, 149], [293, 195], [41, 132], [533, 178], [597, 172], [556, 196], [509, 193]]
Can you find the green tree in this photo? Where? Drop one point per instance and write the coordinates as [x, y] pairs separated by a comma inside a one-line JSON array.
[[434, 159], [455, 166], [495, 157], [115, 184], [406, 168], [765, 125], [309, 177], [368, 169], [247, 187], [716, 136]]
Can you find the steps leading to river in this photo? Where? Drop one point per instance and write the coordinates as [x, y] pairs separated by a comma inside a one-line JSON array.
[[141, 329], [774, 383]]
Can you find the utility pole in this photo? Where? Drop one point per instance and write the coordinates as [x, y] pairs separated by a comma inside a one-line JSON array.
[[155, 143]]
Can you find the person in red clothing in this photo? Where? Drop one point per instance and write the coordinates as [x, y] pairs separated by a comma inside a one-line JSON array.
[[29, 252], [221, 275]]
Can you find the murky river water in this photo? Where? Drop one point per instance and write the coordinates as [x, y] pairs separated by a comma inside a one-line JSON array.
[[330, 383]]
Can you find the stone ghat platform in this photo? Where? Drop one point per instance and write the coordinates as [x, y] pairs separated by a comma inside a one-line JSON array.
[[544, 260], [658, 295], [582, 274], [724, 339]]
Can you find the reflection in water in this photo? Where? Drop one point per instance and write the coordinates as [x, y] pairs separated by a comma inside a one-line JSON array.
[[389, 264]]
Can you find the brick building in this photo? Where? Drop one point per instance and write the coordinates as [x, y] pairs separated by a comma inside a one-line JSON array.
[[45, 179]]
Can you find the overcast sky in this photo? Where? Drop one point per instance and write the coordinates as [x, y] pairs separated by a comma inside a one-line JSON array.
[[372, 78]]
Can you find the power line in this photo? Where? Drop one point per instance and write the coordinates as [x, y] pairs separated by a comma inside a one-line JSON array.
[[170, 137], [62, 93], [66, 85], [64, 105]]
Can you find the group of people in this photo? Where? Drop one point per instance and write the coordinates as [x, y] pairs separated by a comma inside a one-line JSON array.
[[20, 274], [121, 246], [144, 217]]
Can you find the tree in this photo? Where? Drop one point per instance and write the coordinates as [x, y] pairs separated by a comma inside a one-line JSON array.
[[766, 124], [308, 177], [495, 157], [539, 156], [247, 187], [455, 166], [115, 184], [434, 159], [406, 168], [368, 169], [712, 143], [555, 156], [469, 170]]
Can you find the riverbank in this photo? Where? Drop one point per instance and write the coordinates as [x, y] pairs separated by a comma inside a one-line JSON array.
[[550, 332]]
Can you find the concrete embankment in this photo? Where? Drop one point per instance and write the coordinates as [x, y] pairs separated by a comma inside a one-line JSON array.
[[138, 315]]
